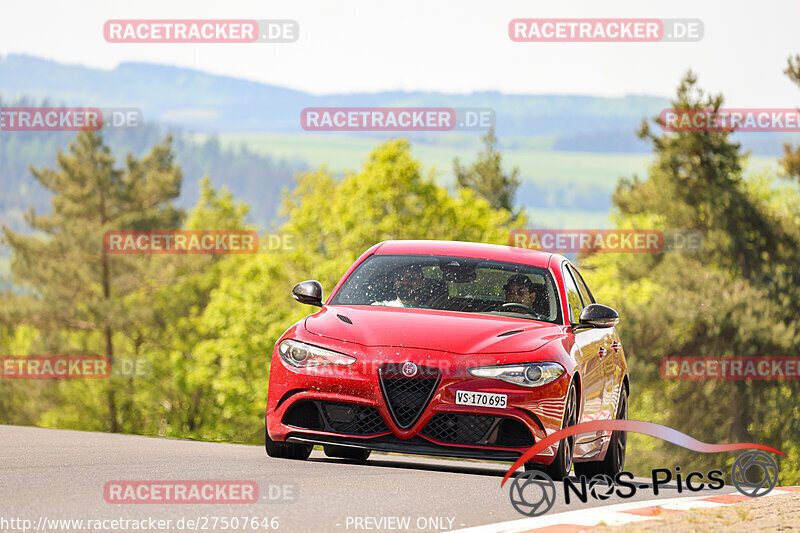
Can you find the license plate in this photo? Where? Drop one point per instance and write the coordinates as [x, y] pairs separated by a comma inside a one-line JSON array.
[[481, 399]]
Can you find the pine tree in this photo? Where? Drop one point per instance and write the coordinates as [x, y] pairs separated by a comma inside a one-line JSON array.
[[486, 177], [733, 298], [73, 283], [791, 160]]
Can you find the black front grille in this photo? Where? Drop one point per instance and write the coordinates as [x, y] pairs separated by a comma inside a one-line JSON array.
[[487, 430], [336, 417], [458, 428], [405, 396], [353, 419]]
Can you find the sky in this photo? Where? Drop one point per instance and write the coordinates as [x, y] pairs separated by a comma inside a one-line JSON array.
[[451, 46]]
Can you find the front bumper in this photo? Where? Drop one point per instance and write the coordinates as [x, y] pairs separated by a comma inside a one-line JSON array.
[[348, 406]]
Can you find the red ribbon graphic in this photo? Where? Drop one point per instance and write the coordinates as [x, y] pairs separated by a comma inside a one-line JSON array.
[[635, 426]]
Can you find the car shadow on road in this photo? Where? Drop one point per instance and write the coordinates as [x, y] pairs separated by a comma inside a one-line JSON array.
[[451, 466], [408, 463]]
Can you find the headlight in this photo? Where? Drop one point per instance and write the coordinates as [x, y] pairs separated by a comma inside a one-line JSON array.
[[527, 374], [301, 355]]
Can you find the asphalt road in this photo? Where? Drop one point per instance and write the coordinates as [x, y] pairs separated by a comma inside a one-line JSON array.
[[48, 474]]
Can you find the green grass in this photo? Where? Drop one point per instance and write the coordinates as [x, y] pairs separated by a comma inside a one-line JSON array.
[[538, 164], [532, 155], [536, 161], [554, 218]]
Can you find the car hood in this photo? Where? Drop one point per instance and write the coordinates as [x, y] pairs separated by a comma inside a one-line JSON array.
[[428, 329]]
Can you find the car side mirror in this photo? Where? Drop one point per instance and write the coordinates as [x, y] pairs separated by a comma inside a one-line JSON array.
[[599, 316], [308, 292]]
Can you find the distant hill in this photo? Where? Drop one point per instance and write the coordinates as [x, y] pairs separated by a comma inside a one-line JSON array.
[[209, 103]]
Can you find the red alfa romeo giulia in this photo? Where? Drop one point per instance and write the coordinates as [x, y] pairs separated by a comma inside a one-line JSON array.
[[451, 349]]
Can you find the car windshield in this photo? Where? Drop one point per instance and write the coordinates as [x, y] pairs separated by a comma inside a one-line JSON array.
[[452, 284]]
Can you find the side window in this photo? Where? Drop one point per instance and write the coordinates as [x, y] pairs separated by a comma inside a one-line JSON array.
[[573, 296], [582, 288]]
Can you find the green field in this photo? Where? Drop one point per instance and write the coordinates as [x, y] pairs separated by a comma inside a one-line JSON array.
[[538, 164], [532, 155]]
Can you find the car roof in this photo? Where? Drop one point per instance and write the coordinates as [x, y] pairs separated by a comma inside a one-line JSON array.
[[476, 250]]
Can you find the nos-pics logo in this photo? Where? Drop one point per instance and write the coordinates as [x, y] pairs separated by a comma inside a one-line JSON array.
[[533, 493]]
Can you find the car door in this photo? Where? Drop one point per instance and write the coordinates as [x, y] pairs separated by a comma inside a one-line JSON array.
[[589, 342], [610, 353]]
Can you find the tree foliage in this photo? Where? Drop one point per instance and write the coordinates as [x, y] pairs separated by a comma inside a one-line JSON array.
[[734, 298], [791, 160], [487, 178], [78, 291]]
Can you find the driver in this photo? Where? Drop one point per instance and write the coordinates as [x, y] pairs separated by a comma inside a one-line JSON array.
[[519, 289], [409, 285]]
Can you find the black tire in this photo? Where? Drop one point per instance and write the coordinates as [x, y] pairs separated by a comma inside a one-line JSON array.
[[286, 450], [614, 461], [346, 452], [562, 464]]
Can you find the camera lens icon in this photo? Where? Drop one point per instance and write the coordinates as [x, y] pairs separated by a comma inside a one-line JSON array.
[[601, 487], [533, 493], [754, 473]]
